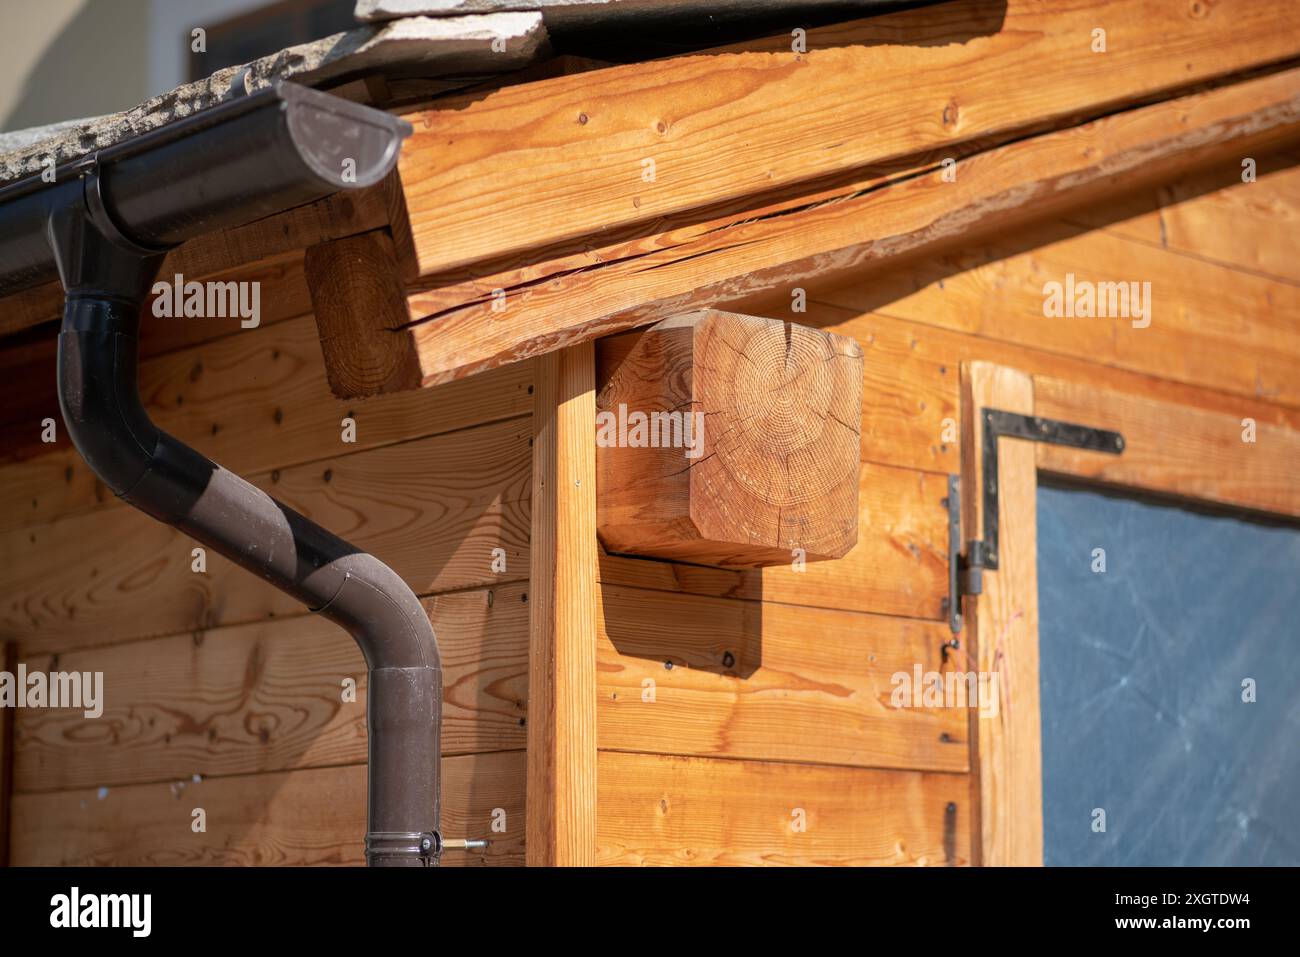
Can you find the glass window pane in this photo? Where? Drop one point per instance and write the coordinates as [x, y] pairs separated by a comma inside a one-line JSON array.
[[1144, 666]]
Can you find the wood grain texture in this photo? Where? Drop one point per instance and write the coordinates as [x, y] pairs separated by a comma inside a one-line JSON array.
[[1175, 450], [722, 677], [1213, 214], [28, 366], [334, 216], [877, 218], [310, 817], [360, 305], [434, 509], [254, 402], [546, 162], [898, 566], [1205, 324], [1001, 634], [746, 450], [911, 376], [666, 810], [562, 642], [268, 697]]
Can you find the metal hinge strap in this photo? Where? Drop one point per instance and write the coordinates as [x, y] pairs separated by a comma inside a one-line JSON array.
[[965, 573]]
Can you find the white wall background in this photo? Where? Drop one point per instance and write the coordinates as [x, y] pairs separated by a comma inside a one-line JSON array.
[[67, 59]]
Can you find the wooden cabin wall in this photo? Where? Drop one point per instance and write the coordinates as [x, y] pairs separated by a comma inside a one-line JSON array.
[[220, 692], [774, 715], [770, 705]]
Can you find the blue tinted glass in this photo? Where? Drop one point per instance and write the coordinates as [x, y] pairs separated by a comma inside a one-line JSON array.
[[1142, 669]]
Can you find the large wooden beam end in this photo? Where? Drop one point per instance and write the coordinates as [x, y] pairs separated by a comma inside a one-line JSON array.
[[360, 306], [728, 440]]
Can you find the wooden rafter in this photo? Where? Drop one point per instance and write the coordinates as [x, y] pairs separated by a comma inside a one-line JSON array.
[[466, 324]]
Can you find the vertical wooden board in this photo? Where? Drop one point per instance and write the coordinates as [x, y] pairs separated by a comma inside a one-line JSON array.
[[769, 681], [562, 644], [310, 817], [666, 810], [1002, 628], [268, 697]]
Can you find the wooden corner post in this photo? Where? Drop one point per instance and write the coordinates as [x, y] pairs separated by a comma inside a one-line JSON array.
[[561, 796]]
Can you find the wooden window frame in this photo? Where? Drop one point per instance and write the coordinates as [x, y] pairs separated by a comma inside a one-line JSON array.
[[1195, 453]]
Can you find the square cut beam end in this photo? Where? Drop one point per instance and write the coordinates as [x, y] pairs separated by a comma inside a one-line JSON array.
[[730, 440]]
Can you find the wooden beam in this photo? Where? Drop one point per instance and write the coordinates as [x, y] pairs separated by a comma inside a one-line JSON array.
[[562, 643], [728, 440], [355, 280], [338, 215], [463, 325], [1002, 630], [543, 163]]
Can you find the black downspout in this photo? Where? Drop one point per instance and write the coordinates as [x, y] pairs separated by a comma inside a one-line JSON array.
[[106, 275]]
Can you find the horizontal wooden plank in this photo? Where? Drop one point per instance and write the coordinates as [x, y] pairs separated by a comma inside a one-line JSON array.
[[1001, 633], [768, 681], [310, 817], [1206, 324], [1175, 450], [1214, 215], [910, 410], [341, 214], [877, 220], [775, 469], [664, 810], [546, 162], [898, 567], [29, 371], [268, 697], [433, 509], [256, 401]]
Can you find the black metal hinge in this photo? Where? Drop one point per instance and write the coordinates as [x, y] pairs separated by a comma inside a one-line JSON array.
[[965, 572]]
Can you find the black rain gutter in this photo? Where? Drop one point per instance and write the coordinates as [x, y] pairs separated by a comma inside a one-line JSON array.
[[103, 226]]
